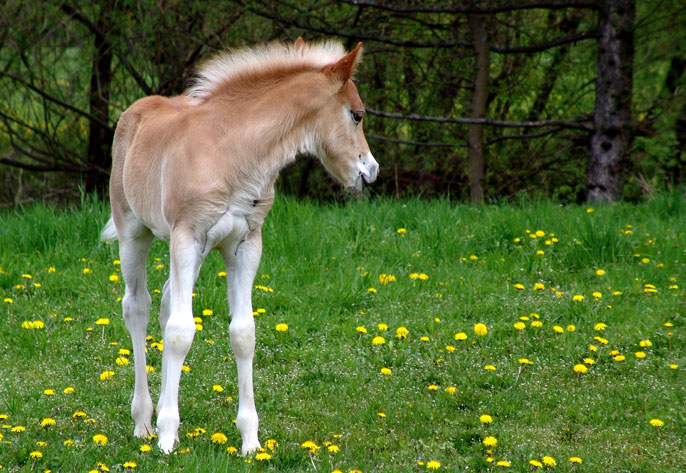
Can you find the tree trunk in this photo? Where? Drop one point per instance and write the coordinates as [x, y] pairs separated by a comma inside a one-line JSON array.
[[612, 114], [100, 137], [475, 134]]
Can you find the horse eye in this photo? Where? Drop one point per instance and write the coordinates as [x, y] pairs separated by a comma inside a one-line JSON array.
[[356, 116]]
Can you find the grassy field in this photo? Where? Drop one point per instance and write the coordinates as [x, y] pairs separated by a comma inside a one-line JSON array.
[[380, 368]]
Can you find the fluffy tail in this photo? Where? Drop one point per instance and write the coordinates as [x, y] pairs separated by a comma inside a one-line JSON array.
[[109, 233]]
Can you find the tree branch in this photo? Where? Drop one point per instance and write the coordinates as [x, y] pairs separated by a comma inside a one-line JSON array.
[[431, 144], [49, 97], [358, 36], [505, 7], [533, 48], [483, 121]]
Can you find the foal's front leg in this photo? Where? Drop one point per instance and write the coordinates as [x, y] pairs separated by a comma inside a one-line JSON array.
[[179, 330], [241, 264]]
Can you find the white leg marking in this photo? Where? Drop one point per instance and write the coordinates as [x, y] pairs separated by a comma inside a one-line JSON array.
[[241, 267], [179, 331], [136, 309]]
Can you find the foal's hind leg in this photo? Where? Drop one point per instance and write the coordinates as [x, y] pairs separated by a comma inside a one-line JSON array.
[[241, 264], [179, 330], [134, 242]]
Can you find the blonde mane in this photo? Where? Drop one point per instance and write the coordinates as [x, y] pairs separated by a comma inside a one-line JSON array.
[[263, 60]]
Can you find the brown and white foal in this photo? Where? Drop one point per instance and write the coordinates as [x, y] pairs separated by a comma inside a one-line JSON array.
[[198, 171]]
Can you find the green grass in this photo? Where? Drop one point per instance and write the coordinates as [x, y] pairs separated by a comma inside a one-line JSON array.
[[321, 380]]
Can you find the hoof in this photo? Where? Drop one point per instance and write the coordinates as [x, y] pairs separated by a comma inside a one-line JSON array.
[[143, 430], [166, 443], [249, 447]]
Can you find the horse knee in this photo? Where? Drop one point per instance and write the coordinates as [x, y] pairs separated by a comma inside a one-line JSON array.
[[242, 338], [136, 309], [178, 337]]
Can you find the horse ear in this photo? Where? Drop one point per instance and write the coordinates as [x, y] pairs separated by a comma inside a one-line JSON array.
[[345, 68], [299, 45]]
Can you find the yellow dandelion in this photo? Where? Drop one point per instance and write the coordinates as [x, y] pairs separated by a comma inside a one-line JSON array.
[[100, 439], [480, 329], [219, 438], [378, 340], [36, 455], [47, 421], [382, 327], [558, 329], [401, 333], [656, 422], [49, 392], [600, 272], [489, 368], [217, 388], [503, 463], [536, 463], [433, 465], [310, 445], [640, 354], [575, 460], [361, 329], [263, 456], [549, 461], [579, 368], [130, 464], [578, 298], [281, 327], [145, 448], [539, 286], [519, 325], [106, 375], [450, 390], [460, 336], [102, 321], [519, 287], [386, 371], [486, 419], [490, 441]]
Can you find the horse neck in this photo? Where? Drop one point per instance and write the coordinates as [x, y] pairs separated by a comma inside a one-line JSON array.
[[277, 119]]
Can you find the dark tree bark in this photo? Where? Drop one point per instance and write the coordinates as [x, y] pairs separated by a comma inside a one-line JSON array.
[[612, 114], [98, 153], [475, 134]]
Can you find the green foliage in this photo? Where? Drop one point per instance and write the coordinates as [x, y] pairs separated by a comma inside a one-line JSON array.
[[51, 51], [321, 379]]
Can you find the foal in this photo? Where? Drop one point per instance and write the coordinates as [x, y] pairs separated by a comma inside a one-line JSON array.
[[199, 170]]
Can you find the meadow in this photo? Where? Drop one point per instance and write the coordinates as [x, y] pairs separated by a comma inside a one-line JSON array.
[[392, 336]]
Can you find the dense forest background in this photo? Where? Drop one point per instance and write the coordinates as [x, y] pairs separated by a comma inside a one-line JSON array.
[[573, 100]]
